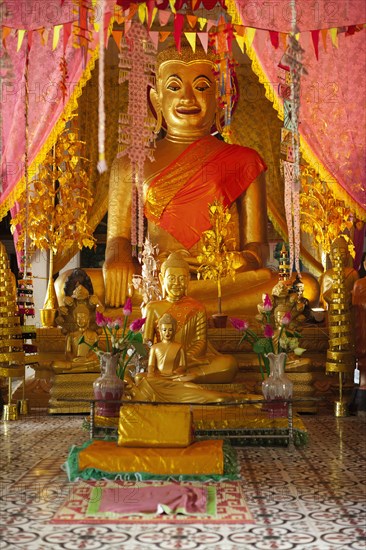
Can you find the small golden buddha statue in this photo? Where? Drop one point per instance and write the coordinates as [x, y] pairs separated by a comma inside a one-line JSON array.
[[191, 169], [78, 356], [167, 358]]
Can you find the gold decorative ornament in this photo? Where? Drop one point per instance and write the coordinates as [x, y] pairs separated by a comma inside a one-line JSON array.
[[56, 213], [11, 335]]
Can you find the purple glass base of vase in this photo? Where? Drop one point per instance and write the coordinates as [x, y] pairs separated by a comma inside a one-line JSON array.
[[107, 409], [277, 408]]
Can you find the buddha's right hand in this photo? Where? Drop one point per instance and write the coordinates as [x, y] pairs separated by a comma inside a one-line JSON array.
[[118, 270], [117, 280]]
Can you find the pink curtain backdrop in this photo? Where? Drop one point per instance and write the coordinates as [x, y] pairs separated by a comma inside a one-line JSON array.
[[332, 114], [332, 110], [46, 103]]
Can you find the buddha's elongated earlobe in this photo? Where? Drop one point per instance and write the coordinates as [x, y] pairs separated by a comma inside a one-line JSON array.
[[218, 121], [159, 122], [156, 108]]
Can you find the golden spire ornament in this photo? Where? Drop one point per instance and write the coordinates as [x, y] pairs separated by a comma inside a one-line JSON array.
[[11, 336], [340, 354]]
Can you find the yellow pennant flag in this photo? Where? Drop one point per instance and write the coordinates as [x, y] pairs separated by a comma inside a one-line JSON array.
[[154, 12], [56, 35], [240, 41], [334, 36], [142, 12], [172, 6], [202, 22], [191, 37], [249, 34], [21, 33]]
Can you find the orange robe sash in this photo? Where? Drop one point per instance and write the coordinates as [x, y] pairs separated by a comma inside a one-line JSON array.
[[177, 199], [183, 310]]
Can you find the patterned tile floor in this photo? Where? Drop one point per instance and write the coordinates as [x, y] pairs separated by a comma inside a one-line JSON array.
[[313, 498]]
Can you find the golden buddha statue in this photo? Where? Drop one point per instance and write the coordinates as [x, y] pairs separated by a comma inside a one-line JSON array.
[[167, 358], [174, 375], [78, 356], [204, 363], [191, 169]]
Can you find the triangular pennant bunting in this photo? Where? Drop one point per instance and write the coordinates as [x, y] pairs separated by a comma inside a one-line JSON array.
[[164, 16], [6, 32], [56, 36], [21, 33], [202, 22], [66, 36], [249, 34], [324, 38], [117, 35], [191, 37], [154, 35], [334, 36], [164, 35], [192, 20], [203, 36], [240, 41], [315, 38]]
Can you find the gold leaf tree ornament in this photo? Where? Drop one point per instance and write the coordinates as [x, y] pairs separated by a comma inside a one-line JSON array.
[[217, 261], [59, 200], [322, 215]]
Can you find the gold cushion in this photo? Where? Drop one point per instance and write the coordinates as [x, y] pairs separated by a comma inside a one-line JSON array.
[[200, 458], [155, 426]]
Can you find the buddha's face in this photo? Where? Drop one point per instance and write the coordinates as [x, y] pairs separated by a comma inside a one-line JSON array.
[[82, 320], [166, 331], [175, 282], [187, 96]]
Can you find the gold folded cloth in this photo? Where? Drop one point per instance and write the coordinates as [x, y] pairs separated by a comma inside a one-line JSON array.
[[155, 426], [201, 458]]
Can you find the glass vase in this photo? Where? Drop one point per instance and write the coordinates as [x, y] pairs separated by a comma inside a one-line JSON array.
[[108, 386], [277, 386]]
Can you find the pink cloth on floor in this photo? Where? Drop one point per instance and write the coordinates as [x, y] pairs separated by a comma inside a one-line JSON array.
[[147, 499]]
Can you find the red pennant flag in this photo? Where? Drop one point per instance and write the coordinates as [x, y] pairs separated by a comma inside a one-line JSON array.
[[275, 38], [30, 39], [67, 32], [178, 28], [315, 37]]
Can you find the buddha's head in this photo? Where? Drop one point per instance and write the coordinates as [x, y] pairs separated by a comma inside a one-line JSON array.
[[167, 327], [186, 92], [174, 277], [81, 316]]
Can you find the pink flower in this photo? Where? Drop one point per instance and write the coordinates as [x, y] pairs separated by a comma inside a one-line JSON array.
[[100, 319], [268, 331], [286, 319], [239, 324], [267, 303], [127, 308], [137, 324]]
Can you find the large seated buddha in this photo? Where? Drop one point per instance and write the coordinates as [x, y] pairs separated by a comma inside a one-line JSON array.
[[191, 169]]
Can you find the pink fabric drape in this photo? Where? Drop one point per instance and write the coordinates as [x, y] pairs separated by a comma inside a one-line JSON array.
[[46, 103], [332, 114]]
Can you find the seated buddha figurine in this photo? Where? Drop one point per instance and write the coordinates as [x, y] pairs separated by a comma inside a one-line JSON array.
[[191, 169], [78, 356], [167, 358]]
